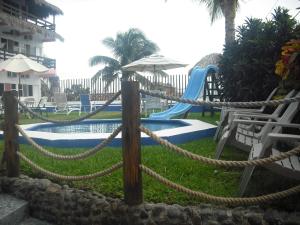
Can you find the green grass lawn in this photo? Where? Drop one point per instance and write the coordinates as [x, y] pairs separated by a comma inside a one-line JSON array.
[[181, 170]]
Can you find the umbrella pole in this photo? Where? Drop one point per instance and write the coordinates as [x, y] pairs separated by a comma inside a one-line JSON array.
[[19, 86]]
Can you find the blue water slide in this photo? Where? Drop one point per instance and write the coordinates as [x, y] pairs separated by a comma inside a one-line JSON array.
[[194, 88]]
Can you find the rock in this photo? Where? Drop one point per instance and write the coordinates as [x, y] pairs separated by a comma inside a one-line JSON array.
[[293, 219], [254, 218]]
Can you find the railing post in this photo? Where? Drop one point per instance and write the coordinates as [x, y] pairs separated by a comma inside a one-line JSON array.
[[11, 144], [131, 143]]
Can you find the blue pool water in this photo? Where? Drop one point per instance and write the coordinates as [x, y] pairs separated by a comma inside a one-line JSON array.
[[104, 126], [89, 133]]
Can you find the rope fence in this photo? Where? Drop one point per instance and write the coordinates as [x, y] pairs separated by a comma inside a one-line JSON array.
[[218, 162], [131, 147], [70, 178], [82, 155], [220, 104], [217, 199]]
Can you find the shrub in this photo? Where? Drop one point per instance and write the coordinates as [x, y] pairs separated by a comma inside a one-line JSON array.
[[247, 66]]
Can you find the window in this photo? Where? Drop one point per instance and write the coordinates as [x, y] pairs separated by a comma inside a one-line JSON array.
[[30, 90], [3, 43], [25, 90], [38, 51], [13, 87], [20, 89], [11, 74], [1, 89], [24, 76], [16, 47]]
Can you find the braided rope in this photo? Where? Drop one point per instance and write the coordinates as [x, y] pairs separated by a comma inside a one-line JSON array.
[[69, 121], [217, 199], [71, 178], [216, 162], [227, 104], [82, 155]]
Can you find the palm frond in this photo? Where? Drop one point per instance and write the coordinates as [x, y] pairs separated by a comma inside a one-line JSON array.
[[215, 10], [109, 80], [106, 72], [109, 42], [126, 48], [96, 60]]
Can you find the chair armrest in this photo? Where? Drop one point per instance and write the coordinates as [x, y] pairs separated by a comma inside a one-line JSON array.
[[243, 110], [285, 137], [255, 115], [291, 125]]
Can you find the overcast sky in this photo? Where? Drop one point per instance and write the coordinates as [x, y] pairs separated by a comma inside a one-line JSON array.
[[181, 28]]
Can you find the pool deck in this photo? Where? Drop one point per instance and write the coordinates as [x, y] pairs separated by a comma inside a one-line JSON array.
[[194, 130]]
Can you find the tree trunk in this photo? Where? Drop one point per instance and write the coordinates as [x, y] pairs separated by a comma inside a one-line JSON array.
[[229, 8]]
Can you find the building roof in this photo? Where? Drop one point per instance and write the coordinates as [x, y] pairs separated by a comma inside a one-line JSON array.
[[47, 35], [54, 10], [39, 8]]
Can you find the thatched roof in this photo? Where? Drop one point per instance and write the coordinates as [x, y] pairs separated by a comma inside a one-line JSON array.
[[53, 10], [12, 21], [210, 59], [39, 8]]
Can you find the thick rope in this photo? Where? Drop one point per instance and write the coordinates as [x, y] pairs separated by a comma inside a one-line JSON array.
[[227, 104], [222, 200], [71, 178], [216, 162], [69, 121], [82, 155]]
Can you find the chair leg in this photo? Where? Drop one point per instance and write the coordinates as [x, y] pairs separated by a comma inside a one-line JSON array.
[[220, 127], [248, 171], [221, 144], [219, 130]]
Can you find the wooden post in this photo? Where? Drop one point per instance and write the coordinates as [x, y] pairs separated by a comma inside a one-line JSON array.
[[131, 143], [11, 144]]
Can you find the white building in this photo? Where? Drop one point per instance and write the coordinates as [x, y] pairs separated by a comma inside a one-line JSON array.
[[24, 27]]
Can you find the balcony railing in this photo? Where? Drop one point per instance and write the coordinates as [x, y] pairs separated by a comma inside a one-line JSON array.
[[50, 63], [23, 15]]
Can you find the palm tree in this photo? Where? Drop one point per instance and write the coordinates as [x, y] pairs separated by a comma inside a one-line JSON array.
[[228, 9], [126, 47]]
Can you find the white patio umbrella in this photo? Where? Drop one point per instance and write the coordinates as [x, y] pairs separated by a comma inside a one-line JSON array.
[[153, 63], [21, 64]]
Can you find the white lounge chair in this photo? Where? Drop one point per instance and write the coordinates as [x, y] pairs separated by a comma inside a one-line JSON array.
[[150, 104], [288, 167], [226, 115], [61, 104], [243, 135]]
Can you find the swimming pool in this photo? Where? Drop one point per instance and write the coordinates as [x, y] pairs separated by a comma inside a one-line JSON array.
[[104, 126], [89, 133]]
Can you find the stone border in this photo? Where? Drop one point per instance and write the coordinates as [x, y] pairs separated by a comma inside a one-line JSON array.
[[63, 205]]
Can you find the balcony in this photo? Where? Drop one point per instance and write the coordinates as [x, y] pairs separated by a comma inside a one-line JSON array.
[[25, 16], [50, 63]]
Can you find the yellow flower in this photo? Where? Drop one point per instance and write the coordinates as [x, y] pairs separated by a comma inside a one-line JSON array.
[[279, 68], [289, 52]]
